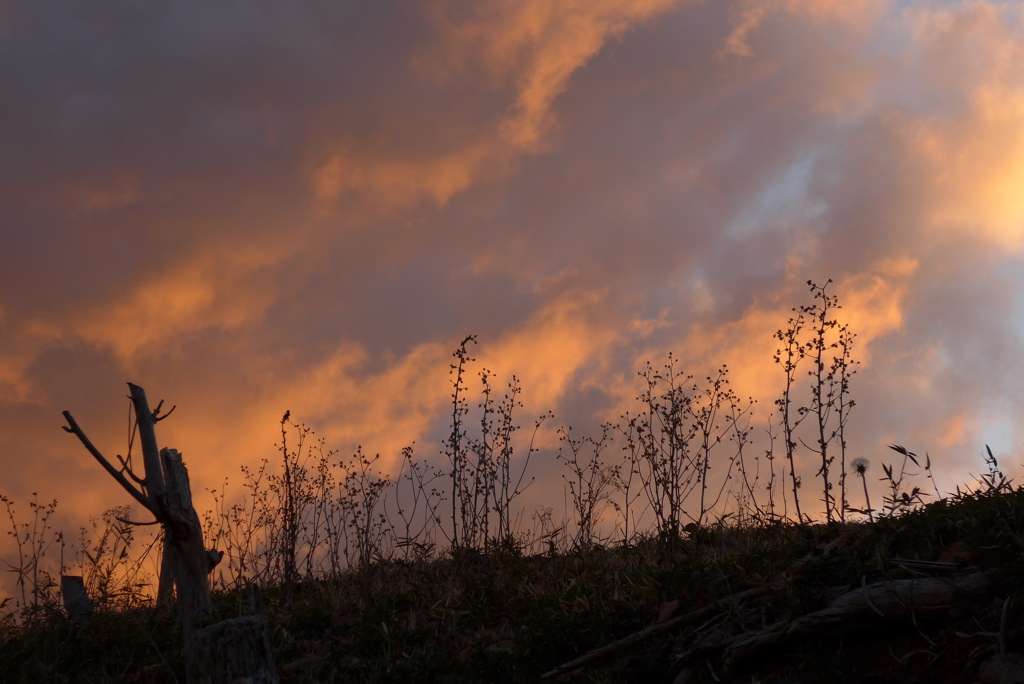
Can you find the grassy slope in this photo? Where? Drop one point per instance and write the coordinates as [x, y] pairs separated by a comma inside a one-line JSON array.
[[507, 618]]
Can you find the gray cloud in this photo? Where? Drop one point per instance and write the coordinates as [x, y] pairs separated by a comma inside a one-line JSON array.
[[249, 209]]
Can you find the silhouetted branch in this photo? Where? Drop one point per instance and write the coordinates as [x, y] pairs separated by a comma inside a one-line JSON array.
[[131, 474], [126, 521], [73, 428], [156, 412]]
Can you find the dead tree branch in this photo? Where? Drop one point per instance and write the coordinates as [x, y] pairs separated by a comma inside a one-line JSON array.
[[73, 428], [125, 468]]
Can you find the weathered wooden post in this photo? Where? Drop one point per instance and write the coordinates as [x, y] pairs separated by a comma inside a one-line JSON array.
[[165, 492], [77, 603]]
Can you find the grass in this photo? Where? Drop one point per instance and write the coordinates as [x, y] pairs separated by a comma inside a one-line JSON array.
[[504, 617]]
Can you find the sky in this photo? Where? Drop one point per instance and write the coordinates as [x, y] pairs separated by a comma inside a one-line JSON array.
[[253, 207]]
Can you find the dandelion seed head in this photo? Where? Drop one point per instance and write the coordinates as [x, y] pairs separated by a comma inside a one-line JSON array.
[[860, 465]]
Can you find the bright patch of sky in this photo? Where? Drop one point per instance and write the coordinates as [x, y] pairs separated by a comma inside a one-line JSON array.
[[785, 199]]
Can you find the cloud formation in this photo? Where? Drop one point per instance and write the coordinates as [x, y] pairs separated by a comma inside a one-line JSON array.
[[252, 209]]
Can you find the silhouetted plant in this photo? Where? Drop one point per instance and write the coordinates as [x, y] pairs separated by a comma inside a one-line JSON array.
[[841, 371], [111, 575], [830, 388], [658, 440], [485, 480], [992, 482], [670, 444], [823, 382], [710, 425], [363, 489], [828, 345], [627, 483], [507, 484], [458, 456], [32, 539], [898, 500], [289, 490], [414, 485], [739, 434], [789, 357], [860, 467], [590, 480], [769, 454]]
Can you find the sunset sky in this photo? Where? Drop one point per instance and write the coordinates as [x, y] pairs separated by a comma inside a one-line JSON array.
[[253, 207]]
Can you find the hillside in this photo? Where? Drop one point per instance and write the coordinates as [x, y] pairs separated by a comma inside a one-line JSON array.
[[751, 602]]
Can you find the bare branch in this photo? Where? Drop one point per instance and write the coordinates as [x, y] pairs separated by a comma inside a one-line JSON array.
[[126, 521], [114, 472], [128, 469], [156, 414], [150, 450]]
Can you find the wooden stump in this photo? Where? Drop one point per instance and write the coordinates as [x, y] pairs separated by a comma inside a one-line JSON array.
[[236, 651], [77, 603], [184, 555]]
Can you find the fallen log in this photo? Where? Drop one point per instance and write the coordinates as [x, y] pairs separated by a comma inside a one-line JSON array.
[[646, 633], [891, 600]]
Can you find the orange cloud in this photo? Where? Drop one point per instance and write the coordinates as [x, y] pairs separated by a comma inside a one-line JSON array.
[[744, 22], [404, 182], [385, 410], [347, 403], [954, 430], [973, 150], [748, 17], [13, 385], [979, 167], [211, 290], [873, 302], [546, 42], [534, 44], [551, 350], [22, 347]]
